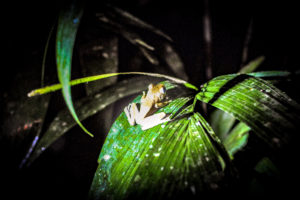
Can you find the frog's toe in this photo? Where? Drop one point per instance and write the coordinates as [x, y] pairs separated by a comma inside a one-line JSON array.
[[126, 110]]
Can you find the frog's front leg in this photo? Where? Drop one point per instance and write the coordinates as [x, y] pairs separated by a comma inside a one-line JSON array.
[[161, 104], [154, 120], [131, 112]]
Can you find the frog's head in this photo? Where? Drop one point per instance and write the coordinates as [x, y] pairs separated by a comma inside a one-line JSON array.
[[157, 91]]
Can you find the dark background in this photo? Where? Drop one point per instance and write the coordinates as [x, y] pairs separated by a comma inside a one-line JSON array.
[[66, 169]]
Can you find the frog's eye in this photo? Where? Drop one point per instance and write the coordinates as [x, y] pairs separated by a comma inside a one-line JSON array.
[[162, 90]]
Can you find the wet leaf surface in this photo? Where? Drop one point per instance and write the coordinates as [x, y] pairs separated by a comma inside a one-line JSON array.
[[264, 108], [175, 158]]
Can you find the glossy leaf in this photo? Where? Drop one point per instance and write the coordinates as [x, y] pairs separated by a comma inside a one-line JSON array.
[[68, 23], [86, 107], [269, 112], [180, 156], [223, 122], [237, 138]]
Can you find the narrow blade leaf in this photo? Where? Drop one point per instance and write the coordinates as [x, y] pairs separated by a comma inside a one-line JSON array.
[[252, 65], [68, 23], [56, 87]]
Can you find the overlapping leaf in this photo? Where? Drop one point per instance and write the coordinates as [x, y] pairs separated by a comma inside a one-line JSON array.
[[237, 138], [267, 110], [86, 107], [178, 157], [233, 137]]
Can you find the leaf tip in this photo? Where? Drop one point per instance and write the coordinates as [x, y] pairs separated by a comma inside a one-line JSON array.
[[32, 93], [84, 129], [188, 85]]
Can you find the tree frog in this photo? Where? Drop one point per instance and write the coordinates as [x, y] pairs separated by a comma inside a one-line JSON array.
[[150, 103]]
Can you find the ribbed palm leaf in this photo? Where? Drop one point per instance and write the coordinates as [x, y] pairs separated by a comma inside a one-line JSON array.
[[184, 155]]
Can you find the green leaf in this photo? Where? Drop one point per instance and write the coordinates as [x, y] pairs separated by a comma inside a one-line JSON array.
[[221, 122], [68, 23], [270, 74], [252, 65], [269, 112], [182, 155], [86, 107], [56, 87], [237, 138]]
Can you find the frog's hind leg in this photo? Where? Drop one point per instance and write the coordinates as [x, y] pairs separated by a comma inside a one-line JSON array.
[[131, 112], [154, 120]]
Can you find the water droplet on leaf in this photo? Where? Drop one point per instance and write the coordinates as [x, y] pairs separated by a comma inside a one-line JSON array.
[[106, 157], [137, 178], [156, 154]]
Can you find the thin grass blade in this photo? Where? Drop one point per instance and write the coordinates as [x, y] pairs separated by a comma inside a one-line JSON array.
[[56, 87]]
